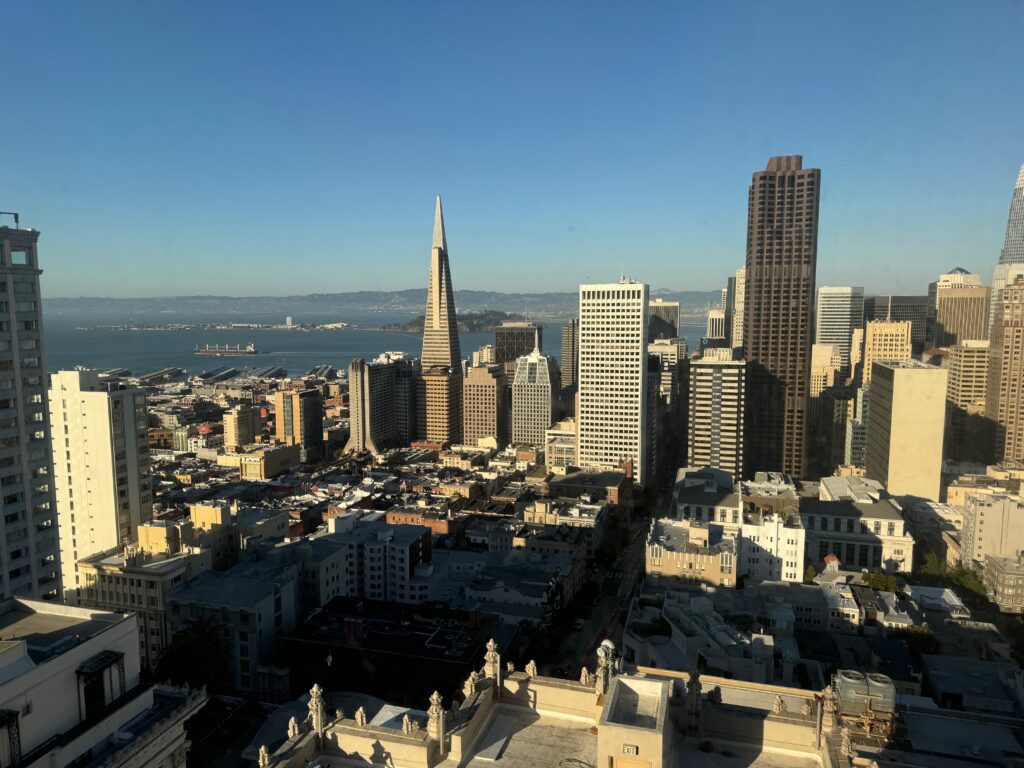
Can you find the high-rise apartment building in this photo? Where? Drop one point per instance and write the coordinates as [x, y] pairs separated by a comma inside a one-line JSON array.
[[899, 308], [483, 356], [407, 387], [371, 401], [840, 310], [1004, 402], [29, 564], [737, 297], [101, 472], [242, 424], [782, 254], [441, 393], [992, 526], [299, 420], [885, 340], [961, 314], [664, 319], [485, 409], [534, 392], [716, 325], [716, 412], [612, 415], [570, 353], [905, 426], [969, 437], [826, 363]]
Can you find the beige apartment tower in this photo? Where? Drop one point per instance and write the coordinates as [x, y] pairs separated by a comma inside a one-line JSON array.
[[969, 434], [485, 411], [885, 340], [906, 422], [372, 406], [717, 400], [101, 471], [441, 394], [1005, 400], [241, 426], [299, 420]]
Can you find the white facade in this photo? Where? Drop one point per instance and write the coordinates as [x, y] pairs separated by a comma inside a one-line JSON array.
[[839, 311], [740, 283], [533, 398], [772, 547], [612, 414], [101, 466]]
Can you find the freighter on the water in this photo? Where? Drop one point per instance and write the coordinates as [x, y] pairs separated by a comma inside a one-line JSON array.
[[227, 350]]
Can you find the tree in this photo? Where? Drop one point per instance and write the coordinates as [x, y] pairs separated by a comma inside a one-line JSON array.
[[810, 574], [883, 582]]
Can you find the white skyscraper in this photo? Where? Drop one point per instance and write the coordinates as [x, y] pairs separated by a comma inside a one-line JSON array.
[[613, 376], [101, 471], [28, 525], [736, 299], [840, 310], [533, 398]]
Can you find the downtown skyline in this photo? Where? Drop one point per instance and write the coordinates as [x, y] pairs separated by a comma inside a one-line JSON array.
[[549, 159]]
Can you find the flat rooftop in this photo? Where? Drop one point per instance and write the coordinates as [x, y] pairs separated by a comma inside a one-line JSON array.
[[49, 630]]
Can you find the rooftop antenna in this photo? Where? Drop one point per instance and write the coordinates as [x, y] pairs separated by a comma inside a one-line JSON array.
[[17, 221]]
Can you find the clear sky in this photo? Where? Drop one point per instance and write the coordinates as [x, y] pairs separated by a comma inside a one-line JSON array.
[[247, 148]]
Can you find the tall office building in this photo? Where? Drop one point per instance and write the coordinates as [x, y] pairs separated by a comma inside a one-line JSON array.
[[840, 310], [513, 339], [961, 314], [534, 391], [485, 410], [299, 420], [898, 308], [242, 424], [29, 565], [957, 277], [570, 353], [717, 398], [716, 325], [782, 254], [826, 364], [1004, 402], [885, 340], [1011, 257], [371, 405], [905, 426], [441, 394], [737, 299], [101, 472], [612, 415], [407, 386], [663, 319], [969, 437]]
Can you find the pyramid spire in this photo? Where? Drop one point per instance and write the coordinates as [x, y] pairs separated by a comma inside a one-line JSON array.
[[439, 238]]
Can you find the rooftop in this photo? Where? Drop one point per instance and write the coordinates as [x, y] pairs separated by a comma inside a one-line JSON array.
[[49, 629]]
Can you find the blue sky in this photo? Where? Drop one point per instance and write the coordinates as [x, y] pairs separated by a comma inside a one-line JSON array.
[[252, 148]]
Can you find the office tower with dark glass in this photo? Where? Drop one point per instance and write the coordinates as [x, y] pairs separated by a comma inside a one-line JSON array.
[[512, 340], [664, 319], [570, 353], [839, 311], [29, 561], [441, 395], [782, 254], [1011, 257]]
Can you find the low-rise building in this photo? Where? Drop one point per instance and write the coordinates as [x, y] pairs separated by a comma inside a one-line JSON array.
[[261, 462], [1004, 579], [993, 525], [560, 447], [689, 552]]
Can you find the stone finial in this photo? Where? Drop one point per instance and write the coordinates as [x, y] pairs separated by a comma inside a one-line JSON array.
[[829, 700], [601, 679], [469, 687], [436, 708], [531, 668], [492, 660], [846, 744], [316, 708], [293, 728], [361, 717], [264, 759], [585, 678], [435, 719], [779, 706], [406, 724], [339, 714], [808, 708], [510, 668], [715, 695]]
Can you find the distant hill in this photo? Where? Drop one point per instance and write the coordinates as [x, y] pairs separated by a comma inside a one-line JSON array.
[[342, 306], [471, 322]]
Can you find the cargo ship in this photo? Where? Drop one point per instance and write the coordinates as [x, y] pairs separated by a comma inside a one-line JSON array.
[[226, 350]]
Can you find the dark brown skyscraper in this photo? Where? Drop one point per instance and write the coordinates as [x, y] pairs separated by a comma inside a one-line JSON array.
[[782, 252]]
